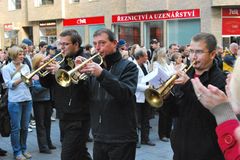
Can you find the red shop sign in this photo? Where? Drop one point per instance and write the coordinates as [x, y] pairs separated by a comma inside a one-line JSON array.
[[226, 12], [231, 26], [83, 21], [153, 16], [8, 27]]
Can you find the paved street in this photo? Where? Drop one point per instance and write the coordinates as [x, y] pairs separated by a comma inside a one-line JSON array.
[[162, 150]]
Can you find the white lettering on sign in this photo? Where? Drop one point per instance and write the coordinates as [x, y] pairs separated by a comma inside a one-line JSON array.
[[82, 21], [156, 16], [233, 11]]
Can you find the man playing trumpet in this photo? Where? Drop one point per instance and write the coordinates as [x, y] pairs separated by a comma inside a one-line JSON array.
[[71, 102]]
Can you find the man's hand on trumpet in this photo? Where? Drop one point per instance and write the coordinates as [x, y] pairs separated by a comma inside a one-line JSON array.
[[53, 67], [182, 77], [93, 68]]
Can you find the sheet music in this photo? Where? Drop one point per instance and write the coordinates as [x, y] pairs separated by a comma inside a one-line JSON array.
[[156, 77]]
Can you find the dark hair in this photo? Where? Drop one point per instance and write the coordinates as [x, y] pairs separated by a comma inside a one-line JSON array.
[[42, 44], [182, 49], [208, 38], [171, 45], [75, 36], [88, 47], [111, 36]]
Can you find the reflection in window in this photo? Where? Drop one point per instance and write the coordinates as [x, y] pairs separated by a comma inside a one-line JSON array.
[[154, 30], [14, 4], [130, 32]]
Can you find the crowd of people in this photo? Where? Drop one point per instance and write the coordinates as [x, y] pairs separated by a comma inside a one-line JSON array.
[[196, 117]]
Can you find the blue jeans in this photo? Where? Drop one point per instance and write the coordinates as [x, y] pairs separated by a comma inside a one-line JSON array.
[[20, 116]]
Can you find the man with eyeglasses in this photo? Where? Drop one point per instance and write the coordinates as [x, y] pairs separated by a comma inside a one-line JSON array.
[[193, 136], [71, 102]]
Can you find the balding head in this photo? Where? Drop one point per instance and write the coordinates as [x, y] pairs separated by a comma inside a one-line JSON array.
[[234, 48]]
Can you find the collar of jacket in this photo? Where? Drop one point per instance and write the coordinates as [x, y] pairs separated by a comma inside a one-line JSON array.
[[112, 59], [205, 76]]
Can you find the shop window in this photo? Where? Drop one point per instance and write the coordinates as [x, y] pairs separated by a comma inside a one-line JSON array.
[[182, 31], [80, 30], [153, 30], [92, 29], [14, 4], [130, 32]]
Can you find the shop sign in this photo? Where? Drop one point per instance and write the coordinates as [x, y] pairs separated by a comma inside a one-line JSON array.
[[231, 26], [83, 21], [230, 12], [154, 16], [8, 27], [47, 24]]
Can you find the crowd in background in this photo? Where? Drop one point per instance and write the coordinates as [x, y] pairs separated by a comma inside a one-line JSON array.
[[171, 60]]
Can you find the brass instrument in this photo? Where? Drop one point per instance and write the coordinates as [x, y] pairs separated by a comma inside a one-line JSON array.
[[155, 97], [27, 79], [65, 78]]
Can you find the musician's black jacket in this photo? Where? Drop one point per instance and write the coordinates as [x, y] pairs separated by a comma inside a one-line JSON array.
[[193, 136], [112, 108], [71, 102]]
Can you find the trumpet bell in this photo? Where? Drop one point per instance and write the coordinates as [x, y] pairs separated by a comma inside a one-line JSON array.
[[63, 78], [153, 98]]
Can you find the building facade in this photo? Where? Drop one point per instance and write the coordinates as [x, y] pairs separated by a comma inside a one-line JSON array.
[[136, 21]]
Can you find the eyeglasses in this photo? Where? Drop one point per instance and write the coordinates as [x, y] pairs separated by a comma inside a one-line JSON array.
[[197, 52], [64, 44]]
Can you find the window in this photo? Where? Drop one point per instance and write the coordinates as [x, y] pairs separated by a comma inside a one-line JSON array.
[[46, 2], [14, 4], [38, 3], [74, 1]]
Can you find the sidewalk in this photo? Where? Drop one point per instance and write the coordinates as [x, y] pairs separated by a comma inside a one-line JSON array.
[[162, 150]]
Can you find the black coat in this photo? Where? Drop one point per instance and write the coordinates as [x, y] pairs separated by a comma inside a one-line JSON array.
[[71, 102], [193, 136], [113, 112]]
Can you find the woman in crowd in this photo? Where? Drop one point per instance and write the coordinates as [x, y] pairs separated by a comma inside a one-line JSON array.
[[42, 109], [223, 106], [178, 61], [19, 102], [165, 121]]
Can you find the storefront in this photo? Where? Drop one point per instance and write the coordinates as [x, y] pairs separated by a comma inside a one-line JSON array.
[[178, 26], [85, 26], [230, 26], [10, 34], [48, 31]]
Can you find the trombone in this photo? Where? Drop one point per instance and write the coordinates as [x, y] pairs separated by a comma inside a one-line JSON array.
[[64, 78], [27, 79], [155, 97]]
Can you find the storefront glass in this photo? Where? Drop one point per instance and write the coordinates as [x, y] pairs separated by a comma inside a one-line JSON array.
[[10, 38], [92, 29], [153, 30], [79, 29], [181, 31], [130, 32]]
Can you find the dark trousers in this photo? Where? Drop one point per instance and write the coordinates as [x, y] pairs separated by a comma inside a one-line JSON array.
[[114, 151], [164, 124], [42, 112], [74, 139], [143, 111]]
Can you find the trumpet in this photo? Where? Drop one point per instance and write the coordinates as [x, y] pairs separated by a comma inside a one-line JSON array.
[[27, 79], [64, 78], [155, 97]]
